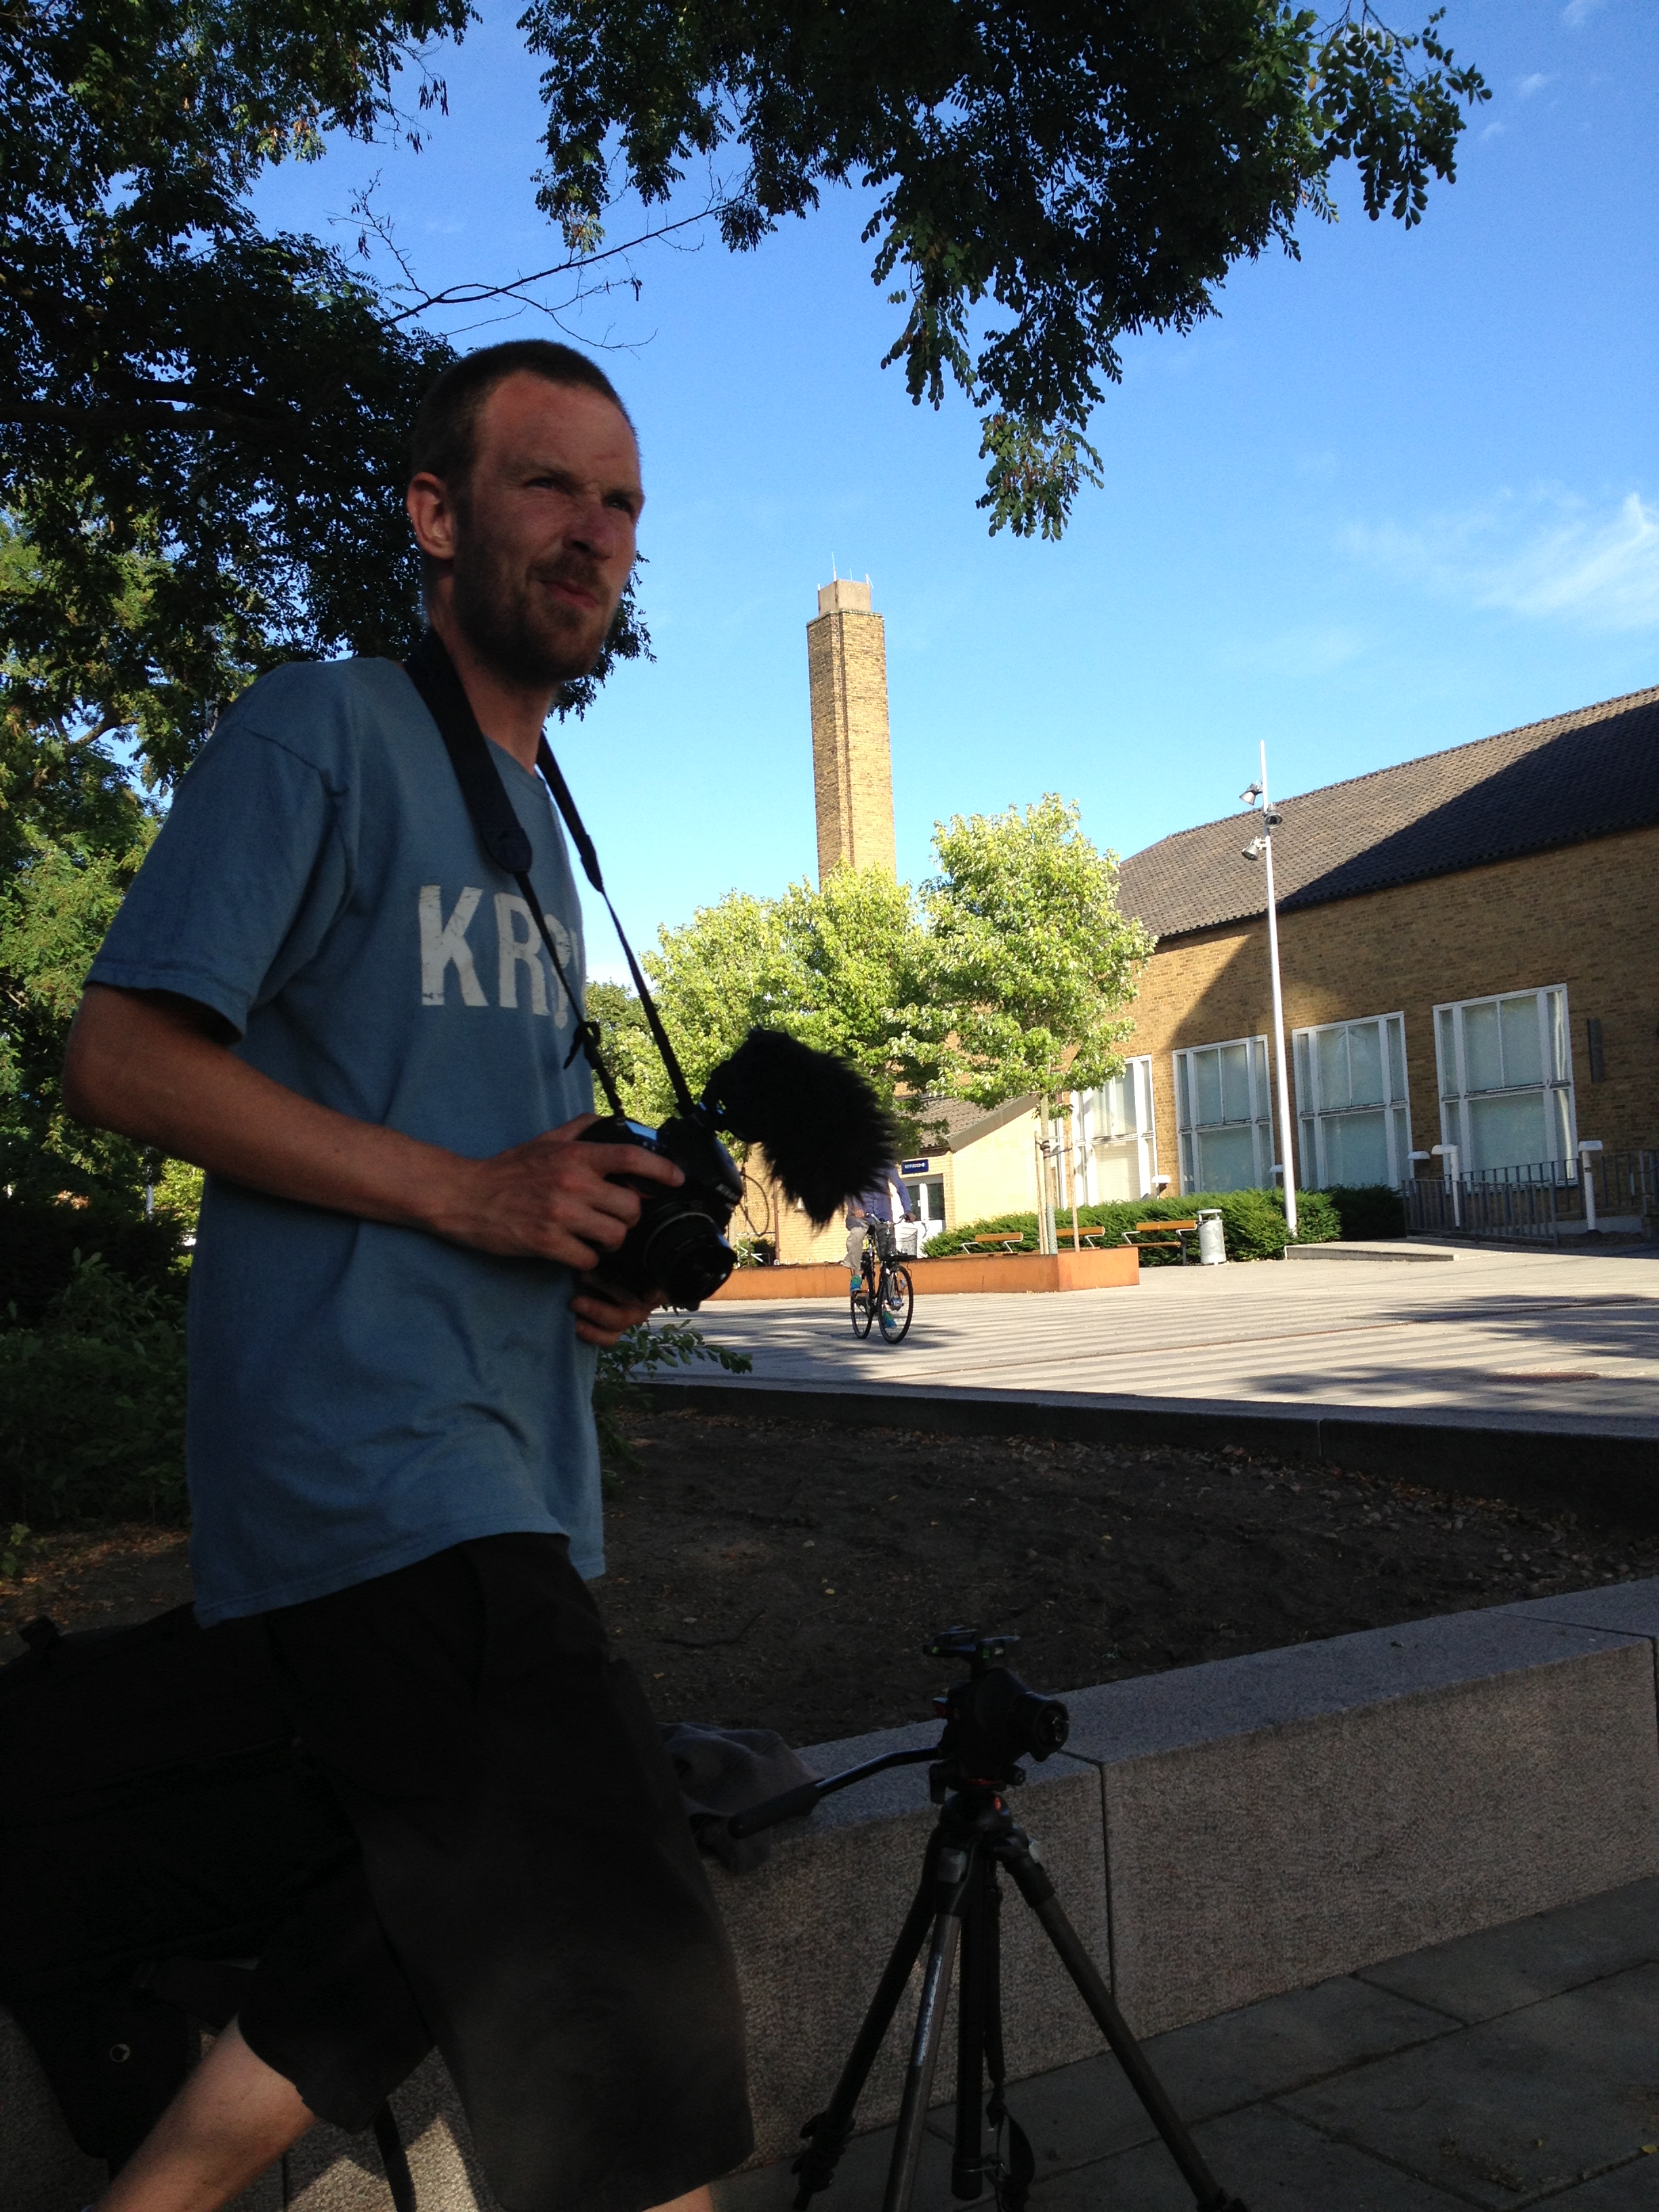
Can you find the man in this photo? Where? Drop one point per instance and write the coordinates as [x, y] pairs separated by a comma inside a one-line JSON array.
[[322, 991], [882, 1202]]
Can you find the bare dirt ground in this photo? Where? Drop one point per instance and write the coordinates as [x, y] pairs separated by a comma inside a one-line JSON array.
[[785, 1574]]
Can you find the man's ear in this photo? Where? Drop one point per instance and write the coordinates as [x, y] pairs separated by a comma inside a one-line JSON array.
[[432, 516]]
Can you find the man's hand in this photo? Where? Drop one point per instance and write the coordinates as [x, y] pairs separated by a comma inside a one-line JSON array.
[[604, 1314], [552, 1199]]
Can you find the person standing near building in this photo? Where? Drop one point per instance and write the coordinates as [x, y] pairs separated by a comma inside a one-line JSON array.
[[320, 990]]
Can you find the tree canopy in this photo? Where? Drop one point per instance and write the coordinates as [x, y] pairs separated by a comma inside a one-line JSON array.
[[1051, 176]]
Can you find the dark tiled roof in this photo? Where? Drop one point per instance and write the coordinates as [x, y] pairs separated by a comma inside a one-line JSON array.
[[960, 1123], [1553, 783]]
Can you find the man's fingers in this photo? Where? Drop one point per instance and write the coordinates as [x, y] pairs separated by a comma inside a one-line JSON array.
[[630, 1160]]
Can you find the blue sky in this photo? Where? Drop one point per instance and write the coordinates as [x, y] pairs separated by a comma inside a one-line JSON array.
[[1399, 494]]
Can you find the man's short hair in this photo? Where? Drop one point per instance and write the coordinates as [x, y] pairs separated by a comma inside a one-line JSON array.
[[444, 443]]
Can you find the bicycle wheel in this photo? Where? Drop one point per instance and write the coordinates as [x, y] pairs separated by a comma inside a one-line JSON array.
[[898, 1301], [862, 1315]]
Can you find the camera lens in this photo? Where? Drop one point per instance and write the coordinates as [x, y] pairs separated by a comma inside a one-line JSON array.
[[1042, 1724], [683, 1254]]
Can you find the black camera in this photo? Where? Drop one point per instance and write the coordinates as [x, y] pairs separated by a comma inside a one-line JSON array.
[[993, 1720], [824, 1133], [676, 1249]]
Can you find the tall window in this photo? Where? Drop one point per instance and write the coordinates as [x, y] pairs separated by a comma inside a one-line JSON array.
[[1224, 1110], [1117, 1147], [1505, 1069], [1354, 1122]]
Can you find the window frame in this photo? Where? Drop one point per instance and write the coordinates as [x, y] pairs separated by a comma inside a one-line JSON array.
[[1090, 1140], [1260, 1121], [1562, 1124], [1311, 1112]]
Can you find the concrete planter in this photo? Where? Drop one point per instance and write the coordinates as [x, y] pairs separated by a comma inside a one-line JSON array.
[[1115, 1266]]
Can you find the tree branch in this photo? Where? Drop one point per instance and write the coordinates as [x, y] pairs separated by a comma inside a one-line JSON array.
[[148, 415], [472, 295]]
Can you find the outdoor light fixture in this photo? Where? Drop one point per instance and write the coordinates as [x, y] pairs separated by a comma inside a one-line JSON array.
[[1262, 847]]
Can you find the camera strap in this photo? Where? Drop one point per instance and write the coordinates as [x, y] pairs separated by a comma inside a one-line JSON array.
[[501, 834]]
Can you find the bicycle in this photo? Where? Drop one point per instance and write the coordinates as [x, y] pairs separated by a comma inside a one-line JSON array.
[[884, 1294]]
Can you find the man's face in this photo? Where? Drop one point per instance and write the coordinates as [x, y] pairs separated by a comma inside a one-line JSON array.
[[544, 534]]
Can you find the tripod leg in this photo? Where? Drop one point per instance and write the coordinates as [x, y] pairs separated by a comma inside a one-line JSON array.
[[955, 1869], [1034, 1887], [829, 2131], [976, 2006]]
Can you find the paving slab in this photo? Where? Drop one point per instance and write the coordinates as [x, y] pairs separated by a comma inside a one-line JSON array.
[[1476, 1978], [1264, 2156], [1517, 2109], [1079, 2113]]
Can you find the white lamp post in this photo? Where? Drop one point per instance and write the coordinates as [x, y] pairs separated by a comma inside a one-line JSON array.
[[1449, 1153], [1262, 847], [1587, 1182]]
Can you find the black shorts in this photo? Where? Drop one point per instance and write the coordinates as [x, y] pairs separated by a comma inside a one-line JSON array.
[[527, 1895]]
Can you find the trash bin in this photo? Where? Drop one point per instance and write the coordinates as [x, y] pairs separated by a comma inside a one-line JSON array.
[[1211, 1241]]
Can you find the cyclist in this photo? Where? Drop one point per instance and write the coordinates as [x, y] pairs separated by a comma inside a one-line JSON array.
[[871, 1206]]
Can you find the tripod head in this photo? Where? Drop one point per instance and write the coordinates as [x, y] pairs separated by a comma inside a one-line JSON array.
[[993, 1720]]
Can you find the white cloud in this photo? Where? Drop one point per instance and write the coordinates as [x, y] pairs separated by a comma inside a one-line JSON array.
[[1529, 85], [1577, 13], [1546, 559]]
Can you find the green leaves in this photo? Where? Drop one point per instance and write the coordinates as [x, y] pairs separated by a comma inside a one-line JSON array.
[[1028, 952], [202, 429], [1048, 177]]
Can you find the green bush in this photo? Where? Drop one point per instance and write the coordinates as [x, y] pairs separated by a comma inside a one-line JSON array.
[[1366, 1211], [92, 1405], [41, 1240], [1252, 1223]]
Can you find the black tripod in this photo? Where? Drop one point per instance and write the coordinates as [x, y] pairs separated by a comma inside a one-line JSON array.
[[991, 1721]]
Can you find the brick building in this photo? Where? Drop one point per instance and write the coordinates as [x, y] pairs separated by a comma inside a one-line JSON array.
[[1467, 943]]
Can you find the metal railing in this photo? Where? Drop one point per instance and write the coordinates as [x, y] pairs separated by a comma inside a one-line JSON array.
[[1537, 1203]]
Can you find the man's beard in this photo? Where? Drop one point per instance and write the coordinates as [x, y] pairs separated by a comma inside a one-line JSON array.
[[512, 623]]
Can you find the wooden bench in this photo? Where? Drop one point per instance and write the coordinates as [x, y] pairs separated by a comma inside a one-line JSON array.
[[1162, 1236], [1004, 1237], [1081, 1236]]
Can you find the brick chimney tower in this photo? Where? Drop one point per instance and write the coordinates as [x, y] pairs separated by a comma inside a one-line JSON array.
[[852, 767]]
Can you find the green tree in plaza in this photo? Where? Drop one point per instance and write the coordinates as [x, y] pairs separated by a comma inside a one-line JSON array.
[[1046, 177], [1029, 958], [840, 965], [1028, 954]]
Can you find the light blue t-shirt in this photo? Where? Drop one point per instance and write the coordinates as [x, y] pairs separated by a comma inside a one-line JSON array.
[[363, 1397]]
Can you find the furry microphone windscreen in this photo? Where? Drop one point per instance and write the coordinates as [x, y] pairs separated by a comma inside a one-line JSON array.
[[825, 1132]]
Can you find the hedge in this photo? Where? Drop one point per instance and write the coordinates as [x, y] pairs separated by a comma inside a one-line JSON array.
[[1368, 1211], [42, 1239], [92, 1405], [1252, 1223]]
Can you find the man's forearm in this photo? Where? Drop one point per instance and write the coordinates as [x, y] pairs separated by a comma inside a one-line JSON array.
[[147, 1069]]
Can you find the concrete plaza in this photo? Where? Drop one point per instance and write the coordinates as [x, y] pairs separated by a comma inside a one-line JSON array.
[[1521, 1336], [1518, 2066]]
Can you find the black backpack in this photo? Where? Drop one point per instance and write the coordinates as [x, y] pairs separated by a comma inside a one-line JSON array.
[[157, 1822]]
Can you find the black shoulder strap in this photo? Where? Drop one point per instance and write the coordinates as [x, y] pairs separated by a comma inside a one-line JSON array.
[[500, 833], [554, 777]]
